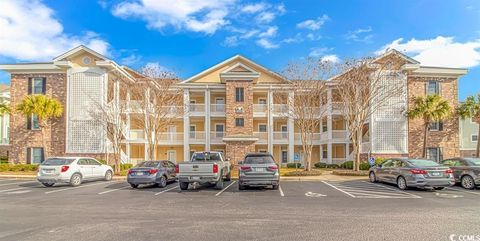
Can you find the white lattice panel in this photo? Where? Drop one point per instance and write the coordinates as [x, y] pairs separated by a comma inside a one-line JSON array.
[[389, 123], [85, 92]]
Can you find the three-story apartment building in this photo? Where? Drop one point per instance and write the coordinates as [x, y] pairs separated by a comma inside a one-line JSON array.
[[230, 107]]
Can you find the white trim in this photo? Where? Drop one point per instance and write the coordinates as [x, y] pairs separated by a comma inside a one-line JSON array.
[[240, 138], [168, 155], [78, 49], [239, 65]]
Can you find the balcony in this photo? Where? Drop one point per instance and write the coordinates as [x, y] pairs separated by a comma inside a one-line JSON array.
[[196, 109], [171, 138], [136, 135], [262, 137], [339, 135], [280, 109], [316, 138], [196, 137], [260, 110], [216, 137], [280, 137], [217, 109]]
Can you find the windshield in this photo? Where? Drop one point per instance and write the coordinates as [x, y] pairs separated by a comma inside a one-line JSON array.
[[423, 163], [148, 164], [205, 156], [260, 159], [57, 162], [474, 161]]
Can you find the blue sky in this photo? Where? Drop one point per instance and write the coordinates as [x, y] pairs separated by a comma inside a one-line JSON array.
[[187, 36]]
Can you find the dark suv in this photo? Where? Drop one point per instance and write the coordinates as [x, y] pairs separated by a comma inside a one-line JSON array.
[[258, 169]]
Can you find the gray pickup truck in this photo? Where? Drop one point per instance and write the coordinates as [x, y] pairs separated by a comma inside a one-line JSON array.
[[204, 167]]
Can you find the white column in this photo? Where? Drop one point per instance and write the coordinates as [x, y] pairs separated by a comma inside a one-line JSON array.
[[291, 128], [186, 124], [128, 152], [329, 126], [146, 152], [207, 119], [270, 121], [347, 151]]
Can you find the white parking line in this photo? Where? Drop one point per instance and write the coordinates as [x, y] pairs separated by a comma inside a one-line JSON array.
[[13, 183], [3, 180], [13, 189], [218, 194], [70, 188], [113, 190], [281, 191], [396, 190], [166, 190], [337, 189], [461, 190]]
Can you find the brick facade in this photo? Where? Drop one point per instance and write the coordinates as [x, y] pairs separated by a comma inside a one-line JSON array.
[[448, 138]]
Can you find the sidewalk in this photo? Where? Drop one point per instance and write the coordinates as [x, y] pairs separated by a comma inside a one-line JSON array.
[[327, 176]]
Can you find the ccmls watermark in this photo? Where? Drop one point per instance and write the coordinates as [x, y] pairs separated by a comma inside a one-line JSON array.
[[464, 237]]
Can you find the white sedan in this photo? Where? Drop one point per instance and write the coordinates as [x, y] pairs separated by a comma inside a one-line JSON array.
[[72, 170]]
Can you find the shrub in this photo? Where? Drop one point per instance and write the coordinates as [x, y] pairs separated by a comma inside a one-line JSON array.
[[347, 165], [303, 173], [364, 166], [294, 165], [3, 159], [18, 167], [379, 161], [332, 166], [349, 173], [320, 165]]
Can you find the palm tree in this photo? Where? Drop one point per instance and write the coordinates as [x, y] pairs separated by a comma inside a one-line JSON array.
[[471, 109], [45, 109], [4, 109], [430, 108]]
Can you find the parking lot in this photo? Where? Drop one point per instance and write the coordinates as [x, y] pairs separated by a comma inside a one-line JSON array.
[[305, 210]]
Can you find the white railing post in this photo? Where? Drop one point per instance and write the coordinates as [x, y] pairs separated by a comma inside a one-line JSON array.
[[186, 124]]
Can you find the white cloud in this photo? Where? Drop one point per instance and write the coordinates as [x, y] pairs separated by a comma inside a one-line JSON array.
[[253, 8], [319, 51], [313, 37], [297, 39], [440, 51], [265, 17], [205, 16], [313, 24], [130, 59], [271, 31], [331, 58], [29, 31], [230, 41], [267, 44], [360, 35]]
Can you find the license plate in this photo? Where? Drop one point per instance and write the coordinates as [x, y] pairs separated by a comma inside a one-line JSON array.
[[139, 173], [195, 178], [437, 174], [48, 171], [259, 169]]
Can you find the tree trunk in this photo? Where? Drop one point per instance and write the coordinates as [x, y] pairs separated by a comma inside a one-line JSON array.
[[356, 164], [478, 142], [425, 138]]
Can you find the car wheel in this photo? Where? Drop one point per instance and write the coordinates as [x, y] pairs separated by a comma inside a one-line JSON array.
[[183, 185], [133, 185], [401, 183], [439, 188], [75, 180], [163, 181], [108, 175], [275, 187], [228, 177], [468, 182], [372, 177], [241, 187], [48, 184], [219, 184]]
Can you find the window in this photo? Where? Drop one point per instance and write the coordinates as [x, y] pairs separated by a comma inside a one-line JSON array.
[[284, 156], [474, 138], [324, 126], [434, 154], [35, 155], [436, 126], [324, 152], [93, 162], [262, 101], [32, 123], [239, 94], [262, 128], [36, 85], [433, 87], [239, 122], [193, 131], [388, 163]]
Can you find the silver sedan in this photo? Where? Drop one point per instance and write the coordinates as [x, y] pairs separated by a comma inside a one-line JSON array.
[[465, 170], [407, 173]]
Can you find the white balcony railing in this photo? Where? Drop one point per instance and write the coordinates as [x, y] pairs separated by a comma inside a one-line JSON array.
[[339, 134], [196, 136], [262, 136], [316, 138], [260, 108], [280, 136], [216, 137], [137, 135], [280, 108], [218, 109], [197, 108], [171, 137]]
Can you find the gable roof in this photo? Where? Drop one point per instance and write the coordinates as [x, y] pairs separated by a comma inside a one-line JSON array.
[[397, 53], [229, 60], [78, 49]]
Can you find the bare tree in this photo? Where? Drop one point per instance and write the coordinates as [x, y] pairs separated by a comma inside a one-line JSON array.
[[304, 99], [156, 102], [365, 86]]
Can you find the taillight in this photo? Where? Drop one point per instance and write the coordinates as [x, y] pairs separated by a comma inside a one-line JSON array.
[[177, 169], [215, 168], [130, 171], [152, 171], [64, 168], [418, 171], [272, 168], [449, 171], [245, 168]]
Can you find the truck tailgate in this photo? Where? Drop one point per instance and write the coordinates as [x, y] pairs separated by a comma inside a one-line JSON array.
[[195, 168]]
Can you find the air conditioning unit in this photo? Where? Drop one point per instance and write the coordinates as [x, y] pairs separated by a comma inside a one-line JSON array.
[[239, 110]]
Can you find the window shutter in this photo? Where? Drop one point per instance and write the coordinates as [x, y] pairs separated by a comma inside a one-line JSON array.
[[29, 155], [440, 126], [29, 123], [440, 154], [29, 86], [44, 85], [43, 155]]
